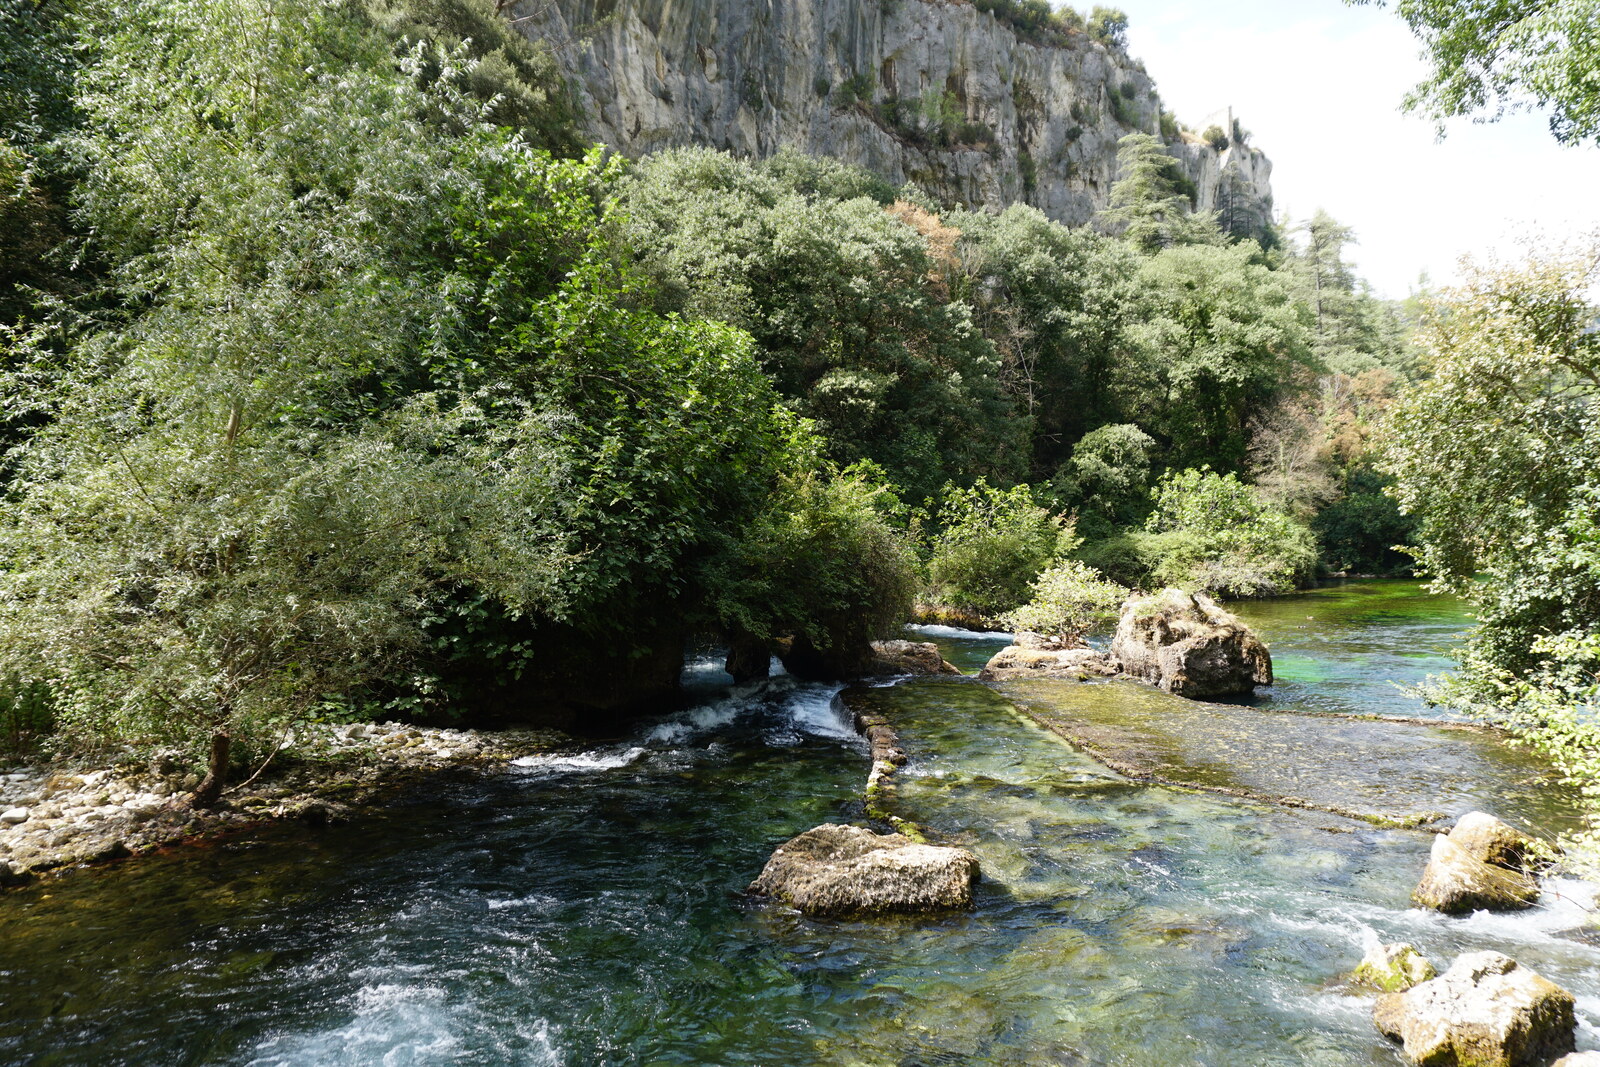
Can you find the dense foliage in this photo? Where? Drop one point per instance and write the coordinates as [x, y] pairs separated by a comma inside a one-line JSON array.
[[1491, 58], [1496, 452], [341, 379]]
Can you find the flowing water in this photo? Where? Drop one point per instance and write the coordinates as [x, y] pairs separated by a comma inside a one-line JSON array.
[[587, 909]]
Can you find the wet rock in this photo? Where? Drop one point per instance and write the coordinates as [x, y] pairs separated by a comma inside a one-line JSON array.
[[1486, 838], [13, 816], [10, 875], [1457, 880], [1189, 646], [910, 657], [748, 660], [1579, 1059], [1485, 1011], [1393, 968], [945, 615], [845, 870], [1077, 664]]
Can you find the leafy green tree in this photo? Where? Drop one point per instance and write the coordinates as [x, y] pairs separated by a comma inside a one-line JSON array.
[[1222, 339], [1495, 451], [1109, 25], [1151, 201], [1110, 471], [848, 304], [1212, 532], [1056, 303], [1493, 58], [990, 545], [515, 77], [1069, 601]]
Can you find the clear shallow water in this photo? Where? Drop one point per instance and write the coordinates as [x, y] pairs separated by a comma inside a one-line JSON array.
[[586, 909]]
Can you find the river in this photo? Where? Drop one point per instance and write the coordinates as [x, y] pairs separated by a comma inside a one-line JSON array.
[[587, 908]]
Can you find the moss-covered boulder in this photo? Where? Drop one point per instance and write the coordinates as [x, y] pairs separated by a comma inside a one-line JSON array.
[[909, 657], [1393, 968], [836, 870], [1477, 866], [1485, 1011], [1189, 646]]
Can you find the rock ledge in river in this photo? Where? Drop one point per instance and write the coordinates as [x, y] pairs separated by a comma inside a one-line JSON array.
[[1471, 868], [845, 870], [1485, 1011], [1189, 646], [909, 657], [1021, 661]]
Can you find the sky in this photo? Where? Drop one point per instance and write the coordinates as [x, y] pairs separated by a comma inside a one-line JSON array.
[[1319, 85]]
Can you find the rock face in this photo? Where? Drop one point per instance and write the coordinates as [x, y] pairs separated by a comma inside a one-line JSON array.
[[1393, 968], [1020, 661], [1189, 646], [1485, 1011], [1477, 866], [844, 870], [1579, 1059], [854, 79], [910, 657]]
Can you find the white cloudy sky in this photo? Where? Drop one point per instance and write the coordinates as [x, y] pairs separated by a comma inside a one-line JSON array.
[[1319, 85]]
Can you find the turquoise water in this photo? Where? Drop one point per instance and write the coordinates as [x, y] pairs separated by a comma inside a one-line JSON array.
[[588, 909]]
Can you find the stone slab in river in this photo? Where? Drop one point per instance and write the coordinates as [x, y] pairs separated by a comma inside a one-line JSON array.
[[834, 870], [1485, 1011]]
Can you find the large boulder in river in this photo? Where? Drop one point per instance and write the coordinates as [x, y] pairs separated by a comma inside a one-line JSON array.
[[845, 870], [1189, 646], [1477, 867], [910, 657], [1485, 1011], [1021, 661]]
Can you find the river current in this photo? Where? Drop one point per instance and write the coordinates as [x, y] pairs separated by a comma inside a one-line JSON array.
[[587, 908]]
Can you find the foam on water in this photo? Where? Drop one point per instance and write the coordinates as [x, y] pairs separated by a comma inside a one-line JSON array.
[[934, 630], [599, 760]]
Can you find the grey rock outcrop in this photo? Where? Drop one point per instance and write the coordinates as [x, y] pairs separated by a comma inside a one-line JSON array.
[[910, 657], [1393, 968], [1080, 664], [1485, 1011], [837, 870], [1477, 866], [1189, 646], [852, 79]]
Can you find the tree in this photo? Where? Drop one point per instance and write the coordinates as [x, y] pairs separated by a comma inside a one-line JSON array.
[[1212, 532], [1495, 452], [1068, 601], [1109, 25], [1493, 58], [1221, 339], [1151, 200], [990, 545]]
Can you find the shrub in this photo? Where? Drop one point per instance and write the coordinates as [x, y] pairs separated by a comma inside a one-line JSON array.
[[992, 544], [1069, 601], [1216, 137], [1212, 532]]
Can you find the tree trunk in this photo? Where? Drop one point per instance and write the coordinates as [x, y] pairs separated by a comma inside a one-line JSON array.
[[210, 790]]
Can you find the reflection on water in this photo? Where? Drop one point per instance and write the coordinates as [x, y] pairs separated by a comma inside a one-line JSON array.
[[586, 909]]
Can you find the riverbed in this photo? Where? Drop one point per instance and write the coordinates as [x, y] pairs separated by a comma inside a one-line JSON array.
[[587, 907]]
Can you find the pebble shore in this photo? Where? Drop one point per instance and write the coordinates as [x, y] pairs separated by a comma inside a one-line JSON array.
[[62, 815]]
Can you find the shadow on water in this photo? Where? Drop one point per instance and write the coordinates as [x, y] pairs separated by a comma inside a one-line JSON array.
[[586, 908]]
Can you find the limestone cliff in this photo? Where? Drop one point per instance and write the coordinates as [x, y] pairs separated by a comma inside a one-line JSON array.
[[931, 91]]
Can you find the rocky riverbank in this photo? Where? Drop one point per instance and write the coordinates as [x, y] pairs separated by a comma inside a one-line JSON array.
[[62, 815]]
